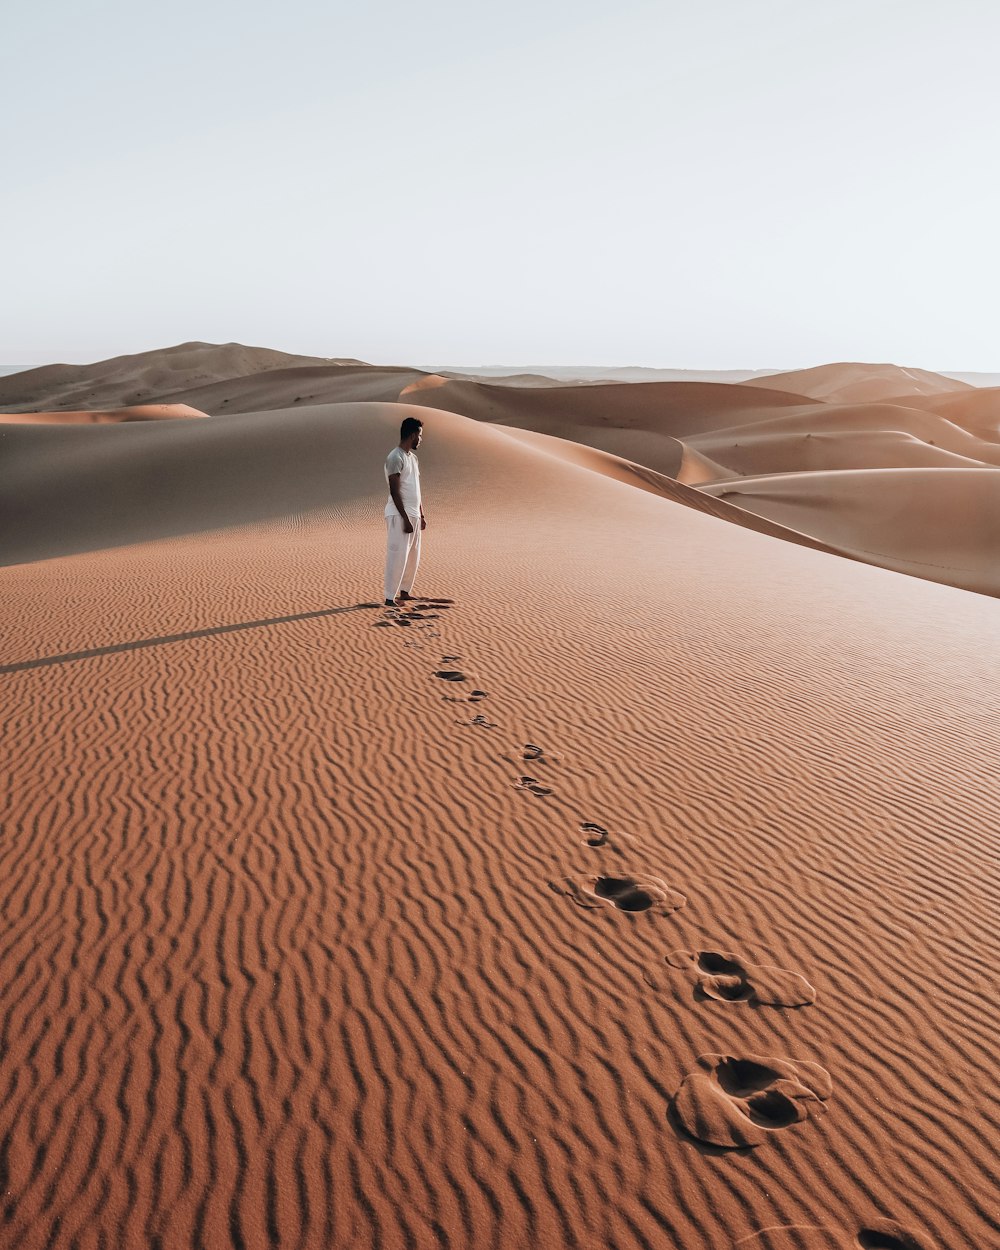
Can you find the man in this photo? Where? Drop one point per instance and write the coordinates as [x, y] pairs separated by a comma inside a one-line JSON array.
[[404, 515]]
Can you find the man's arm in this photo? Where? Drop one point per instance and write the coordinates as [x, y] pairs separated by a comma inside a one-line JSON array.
[[397, 500], [423, 519]]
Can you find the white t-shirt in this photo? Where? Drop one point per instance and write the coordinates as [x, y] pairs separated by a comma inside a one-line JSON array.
[[405, 464]]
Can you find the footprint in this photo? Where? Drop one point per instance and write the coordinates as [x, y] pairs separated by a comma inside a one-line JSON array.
[[531, 752], [477, 696], [888, 1235], [731, 980], [450, 674], [596, 835], [734, 1102], [634, 893], [529, 783], [479, 720], [878, 1235], [450, 659]]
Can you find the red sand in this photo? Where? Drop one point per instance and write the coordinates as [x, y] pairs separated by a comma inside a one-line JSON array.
[[281, 960]]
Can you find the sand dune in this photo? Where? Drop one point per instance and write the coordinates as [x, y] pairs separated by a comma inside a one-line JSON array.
[[853, 436], [312, 384], [917, 521], [859, 383], [281, 963], [146, 377], [975, 411], [698, 434], [139, 412], [641, 422]]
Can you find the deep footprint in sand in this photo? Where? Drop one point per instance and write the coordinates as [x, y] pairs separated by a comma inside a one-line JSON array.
[[631, 894], [532, 785], [736, 1101], [594, 835], [732, 980], [450, 674], [877, 1235]]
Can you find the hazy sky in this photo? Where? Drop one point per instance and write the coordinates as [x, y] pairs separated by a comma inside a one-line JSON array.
[[730, 183]]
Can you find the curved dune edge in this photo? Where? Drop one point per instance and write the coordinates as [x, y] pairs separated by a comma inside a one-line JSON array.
[[846, 436], [280, 962], [664, 486], [137, 412], [915, 521]]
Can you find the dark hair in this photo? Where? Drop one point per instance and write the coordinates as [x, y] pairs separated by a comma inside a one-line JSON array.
[[410, 426]]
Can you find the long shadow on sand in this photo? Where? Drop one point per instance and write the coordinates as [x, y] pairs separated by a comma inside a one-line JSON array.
[[137, 644]]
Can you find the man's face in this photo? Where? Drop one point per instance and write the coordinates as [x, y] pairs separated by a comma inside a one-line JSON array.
[[417, 439]]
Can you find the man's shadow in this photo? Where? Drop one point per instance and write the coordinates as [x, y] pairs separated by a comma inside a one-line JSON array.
[[138, 643]]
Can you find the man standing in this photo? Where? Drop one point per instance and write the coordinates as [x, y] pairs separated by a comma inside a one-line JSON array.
[[404, 515]]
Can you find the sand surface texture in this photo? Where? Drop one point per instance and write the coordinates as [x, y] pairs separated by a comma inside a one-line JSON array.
[[635, 888]]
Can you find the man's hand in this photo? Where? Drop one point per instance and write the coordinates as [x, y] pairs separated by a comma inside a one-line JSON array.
[[423, 521], [407, 525]]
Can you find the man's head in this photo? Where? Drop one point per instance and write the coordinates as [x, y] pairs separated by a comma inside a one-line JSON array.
[[410, 433]]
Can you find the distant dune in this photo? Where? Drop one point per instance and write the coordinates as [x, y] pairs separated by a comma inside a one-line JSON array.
[[859, 383], [846, 436], [144, 378]]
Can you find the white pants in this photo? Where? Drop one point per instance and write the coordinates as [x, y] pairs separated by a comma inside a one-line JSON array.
[[402, 555]]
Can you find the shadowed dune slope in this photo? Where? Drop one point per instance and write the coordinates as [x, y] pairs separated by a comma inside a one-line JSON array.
[[69, 489], [859, 383], [111, 416], [853, 436], [280, 963], [145, 377], [942, 524]]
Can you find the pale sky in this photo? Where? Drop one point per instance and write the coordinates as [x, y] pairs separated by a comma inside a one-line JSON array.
[[730, 183]]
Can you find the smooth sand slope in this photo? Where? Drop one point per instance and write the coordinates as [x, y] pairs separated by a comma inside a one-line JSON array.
[[942, 523], [643, 895], [846, 436], [107, 416], [849, 382], [978, 411]]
